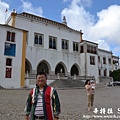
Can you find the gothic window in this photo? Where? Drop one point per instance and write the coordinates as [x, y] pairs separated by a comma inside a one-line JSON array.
[[75, 46], [52, 42], [38, 39], [64, 44]]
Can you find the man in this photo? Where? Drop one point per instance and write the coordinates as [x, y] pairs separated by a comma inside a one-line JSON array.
[[43, 101]]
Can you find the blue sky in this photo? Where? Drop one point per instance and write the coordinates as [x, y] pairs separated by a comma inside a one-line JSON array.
[[98, 19]]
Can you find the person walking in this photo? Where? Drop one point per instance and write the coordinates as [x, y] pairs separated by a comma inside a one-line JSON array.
[[43, 102], [90, 94]]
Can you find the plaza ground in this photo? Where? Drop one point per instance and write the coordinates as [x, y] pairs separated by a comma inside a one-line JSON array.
[[73, 103]]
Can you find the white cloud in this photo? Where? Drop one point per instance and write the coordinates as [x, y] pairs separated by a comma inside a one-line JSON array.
[[103, 44], [66, 0], [4, 15], [28, 7], [105, 31], [116, 50], [108, 25]]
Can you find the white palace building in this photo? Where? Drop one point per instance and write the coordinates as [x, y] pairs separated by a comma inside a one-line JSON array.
[[30, 44]]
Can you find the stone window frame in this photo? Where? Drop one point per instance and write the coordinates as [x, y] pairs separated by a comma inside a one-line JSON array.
[[38, 42], [65, 44], [52, 42], [75, 46]]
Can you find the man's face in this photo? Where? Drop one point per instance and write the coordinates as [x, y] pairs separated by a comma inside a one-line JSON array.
[[41, 80]]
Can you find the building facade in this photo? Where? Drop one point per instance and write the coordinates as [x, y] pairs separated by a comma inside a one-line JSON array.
[[55, 48], [12, 56]]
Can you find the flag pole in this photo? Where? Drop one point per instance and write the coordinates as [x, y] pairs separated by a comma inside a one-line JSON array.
[[5, 14], [5, 17]]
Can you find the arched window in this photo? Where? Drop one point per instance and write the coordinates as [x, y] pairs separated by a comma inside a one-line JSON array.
[[62, 44], [75, 46], [54, 44], [36, 39], [66, 44], [50, 42], [40, 40]]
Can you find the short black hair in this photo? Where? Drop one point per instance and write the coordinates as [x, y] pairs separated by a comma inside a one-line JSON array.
[[41, 73]]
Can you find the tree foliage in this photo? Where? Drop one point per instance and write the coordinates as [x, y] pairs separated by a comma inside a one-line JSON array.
[[116, 75]]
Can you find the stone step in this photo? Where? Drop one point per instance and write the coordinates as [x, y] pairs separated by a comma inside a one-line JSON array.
[[67, 83]]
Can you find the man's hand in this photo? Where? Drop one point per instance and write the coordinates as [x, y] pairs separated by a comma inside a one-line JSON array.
[[27, 117], [55, 118]]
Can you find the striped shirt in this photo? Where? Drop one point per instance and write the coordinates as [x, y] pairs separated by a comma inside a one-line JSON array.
[[39, 106]]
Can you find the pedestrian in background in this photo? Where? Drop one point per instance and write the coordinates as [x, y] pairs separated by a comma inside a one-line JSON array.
[[43, 101], [90, 87]]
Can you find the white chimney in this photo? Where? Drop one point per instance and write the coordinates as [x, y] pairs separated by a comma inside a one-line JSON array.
[[64, 20]]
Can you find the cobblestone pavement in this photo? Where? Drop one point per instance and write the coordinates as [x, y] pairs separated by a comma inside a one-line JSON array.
[[73, 104]]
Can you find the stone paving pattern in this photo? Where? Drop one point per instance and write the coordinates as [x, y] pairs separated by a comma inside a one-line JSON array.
[[73, 103]]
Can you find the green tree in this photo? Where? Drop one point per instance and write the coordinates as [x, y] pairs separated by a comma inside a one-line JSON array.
[[116, 75]]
